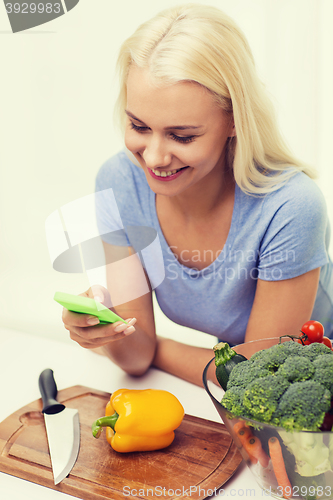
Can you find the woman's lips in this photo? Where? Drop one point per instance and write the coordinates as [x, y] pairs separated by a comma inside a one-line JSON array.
[[168, 177]]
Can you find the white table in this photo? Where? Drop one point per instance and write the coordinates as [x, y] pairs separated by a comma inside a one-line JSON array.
[[24, 356]]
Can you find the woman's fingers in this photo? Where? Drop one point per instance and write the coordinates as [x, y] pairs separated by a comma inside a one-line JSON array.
[[91, 337], [86, 330], [124, 328], [97, 342], [70, 318]]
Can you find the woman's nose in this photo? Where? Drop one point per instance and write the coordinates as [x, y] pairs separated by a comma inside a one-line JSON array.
[[156, 154]]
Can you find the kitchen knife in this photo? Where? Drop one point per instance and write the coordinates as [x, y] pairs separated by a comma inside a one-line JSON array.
[[62, 428]]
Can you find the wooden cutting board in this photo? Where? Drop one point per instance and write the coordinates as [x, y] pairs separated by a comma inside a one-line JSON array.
[[201, 458]]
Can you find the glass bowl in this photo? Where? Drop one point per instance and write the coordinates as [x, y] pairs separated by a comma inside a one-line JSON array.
[[310, 474]]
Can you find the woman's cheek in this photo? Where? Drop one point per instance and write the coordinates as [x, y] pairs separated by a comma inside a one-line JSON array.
[[131, 142]]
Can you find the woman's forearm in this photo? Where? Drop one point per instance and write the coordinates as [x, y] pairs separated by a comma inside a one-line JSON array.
[[134, 354], [184, 361]]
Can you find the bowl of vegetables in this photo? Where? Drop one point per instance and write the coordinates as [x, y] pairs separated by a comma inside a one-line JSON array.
[[275, 398]]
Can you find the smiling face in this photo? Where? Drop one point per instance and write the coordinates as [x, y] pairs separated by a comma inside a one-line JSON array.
[[177, 133]]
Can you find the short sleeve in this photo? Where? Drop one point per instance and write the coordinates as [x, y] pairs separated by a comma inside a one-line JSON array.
[[294, 240], [109, 199]]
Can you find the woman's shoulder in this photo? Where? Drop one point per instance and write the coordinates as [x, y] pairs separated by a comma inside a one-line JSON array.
[[300, 194]]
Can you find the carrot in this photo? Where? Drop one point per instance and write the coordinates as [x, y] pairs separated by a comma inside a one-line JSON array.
[[239, 425], [279, 467], [244, 435], [254, 448]]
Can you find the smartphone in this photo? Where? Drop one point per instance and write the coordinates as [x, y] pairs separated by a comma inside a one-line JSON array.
[[84, 305]]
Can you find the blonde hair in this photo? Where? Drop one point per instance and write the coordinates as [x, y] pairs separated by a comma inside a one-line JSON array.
[[202, 44]]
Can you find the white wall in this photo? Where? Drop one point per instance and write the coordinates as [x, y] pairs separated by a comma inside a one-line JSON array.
[[57, 90]]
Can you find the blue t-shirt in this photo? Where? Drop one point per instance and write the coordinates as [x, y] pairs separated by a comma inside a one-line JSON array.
[[272, 237]]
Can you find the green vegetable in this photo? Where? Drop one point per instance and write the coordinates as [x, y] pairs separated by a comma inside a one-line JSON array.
[[261, 397], [303, 406], [275, 356], [233, 401], [324, 371], [314, 350], [225, 361], [289, 385], [296, 369], [245, 373]]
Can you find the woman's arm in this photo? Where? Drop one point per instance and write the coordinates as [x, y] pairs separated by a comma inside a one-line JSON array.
[[131, 348], [184, 361], [282, 307], [134, 353], [279, 308], [142, 348]]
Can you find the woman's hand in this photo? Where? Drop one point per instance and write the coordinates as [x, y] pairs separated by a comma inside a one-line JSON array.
[[87, 331]]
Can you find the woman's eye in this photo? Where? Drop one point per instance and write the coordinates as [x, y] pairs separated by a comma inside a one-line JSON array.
[[184, 140], [137, 128]]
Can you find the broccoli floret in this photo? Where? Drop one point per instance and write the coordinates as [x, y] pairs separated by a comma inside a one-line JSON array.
[[303, 406], [261, 397], [296, 369], [324, 371], [244, 373], [323, 360], [233, 401], [275, 356], [291, 348], [312, 351], [259, 354]]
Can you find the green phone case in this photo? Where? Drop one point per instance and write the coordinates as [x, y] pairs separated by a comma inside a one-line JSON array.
[[84, 305]]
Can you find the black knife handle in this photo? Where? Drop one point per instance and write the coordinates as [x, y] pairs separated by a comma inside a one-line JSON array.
[[49, 391]]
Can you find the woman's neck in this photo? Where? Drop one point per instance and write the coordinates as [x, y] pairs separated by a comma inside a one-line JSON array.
[[203, 199]]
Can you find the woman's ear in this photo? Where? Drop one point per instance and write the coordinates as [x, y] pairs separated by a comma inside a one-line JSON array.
[[233, 130]]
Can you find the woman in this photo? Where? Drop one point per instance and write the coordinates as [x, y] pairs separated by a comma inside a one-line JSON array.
[[243, 228]]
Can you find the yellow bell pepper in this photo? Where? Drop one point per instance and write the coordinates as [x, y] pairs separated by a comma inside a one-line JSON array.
[[140, 420]]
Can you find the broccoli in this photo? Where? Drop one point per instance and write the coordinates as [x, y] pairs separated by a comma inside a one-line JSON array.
[[324, 371], [261, 397], [297, 369], [233, 401], [289, 385], [302, 407], [312, 351], [323, 359], [289, 348], [272, 358], [244, 373]]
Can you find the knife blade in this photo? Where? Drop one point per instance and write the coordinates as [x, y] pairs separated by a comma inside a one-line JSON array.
[[62, 428]]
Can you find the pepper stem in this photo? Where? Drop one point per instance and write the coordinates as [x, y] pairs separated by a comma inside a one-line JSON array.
[[223, 353], [108, 421]]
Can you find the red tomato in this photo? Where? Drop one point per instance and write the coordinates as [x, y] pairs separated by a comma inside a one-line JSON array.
[[313, 330], [327, 342]]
